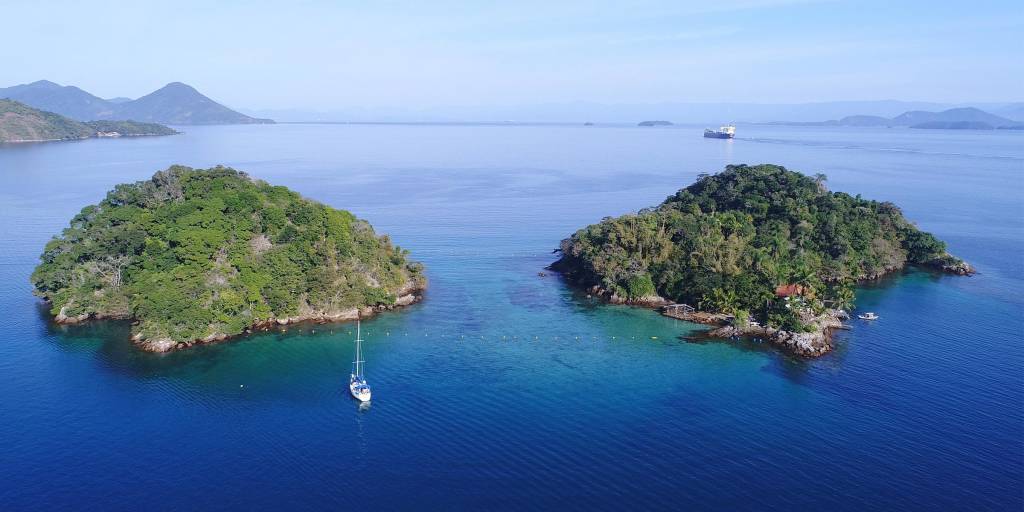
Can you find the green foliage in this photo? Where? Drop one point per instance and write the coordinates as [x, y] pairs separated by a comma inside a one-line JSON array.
[[640, 285], [741, 318], [195, 252], [725, 243]]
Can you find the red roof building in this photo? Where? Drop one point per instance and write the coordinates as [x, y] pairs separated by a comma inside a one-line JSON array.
[[788, 290]]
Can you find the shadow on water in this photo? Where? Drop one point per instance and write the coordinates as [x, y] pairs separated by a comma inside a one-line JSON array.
[[110, 342], [793, 368], [528, 296], [910, 272], [87, 336]]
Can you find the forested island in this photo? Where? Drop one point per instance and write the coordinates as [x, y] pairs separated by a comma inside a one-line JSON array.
[[199, 255], [21, 123], [757, 250]]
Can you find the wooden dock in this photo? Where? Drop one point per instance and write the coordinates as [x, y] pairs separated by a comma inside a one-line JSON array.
[[680, 311], [690, 314]]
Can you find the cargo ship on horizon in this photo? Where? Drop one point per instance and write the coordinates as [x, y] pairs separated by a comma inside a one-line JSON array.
[[723, 132]]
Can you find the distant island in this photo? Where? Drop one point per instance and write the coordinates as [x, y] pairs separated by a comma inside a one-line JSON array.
[[175, 103], [754, 250], [21, 123], [968, 118], [199, 255], [654, 123]]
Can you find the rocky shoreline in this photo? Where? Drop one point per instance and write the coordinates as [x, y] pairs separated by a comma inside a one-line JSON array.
[[816, 342], [952, 265], [649, 301], [98, 135], [26, 141], [408, 296], [813, 343]]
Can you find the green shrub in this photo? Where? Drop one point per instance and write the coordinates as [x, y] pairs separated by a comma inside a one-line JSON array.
[[640, 285]]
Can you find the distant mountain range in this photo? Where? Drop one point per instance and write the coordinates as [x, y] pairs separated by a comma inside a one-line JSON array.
[[174, 103], [178, 103], [967, 118], [1013, 111], [711, 114], [22, 123]]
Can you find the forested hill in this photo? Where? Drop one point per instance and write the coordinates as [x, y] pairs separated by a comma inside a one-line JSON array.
[[727, 242], [21, 123], [197, 254]]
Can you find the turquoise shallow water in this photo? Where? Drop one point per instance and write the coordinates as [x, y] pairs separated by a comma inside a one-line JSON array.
[[505, 389]]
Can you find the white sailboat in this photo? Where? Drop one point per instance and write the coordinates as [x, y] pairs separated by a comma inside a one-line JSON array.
[[357, 381]]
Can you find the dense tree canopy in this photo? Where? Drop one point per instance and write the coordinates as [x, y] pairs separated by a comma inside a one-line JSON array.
[[20, 122], [727, 241], [193, 253]]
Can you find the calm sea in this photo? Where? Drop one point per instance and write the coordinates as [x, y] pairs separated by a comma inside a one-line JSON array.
[[504, 389]]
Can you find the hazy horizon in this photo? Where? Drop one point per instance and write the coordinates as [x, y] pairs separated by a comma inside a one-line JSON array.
[[318, 56]]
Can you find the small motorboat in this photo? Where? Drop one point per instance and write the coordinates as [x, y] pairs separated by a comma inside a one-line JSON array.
[[868, 316], [357, 381]]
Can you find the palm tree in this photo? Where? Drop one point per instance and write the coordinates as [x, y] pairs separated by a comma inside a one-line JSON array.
[[819, 180], [719, 300], [803, 275], [843, 297]]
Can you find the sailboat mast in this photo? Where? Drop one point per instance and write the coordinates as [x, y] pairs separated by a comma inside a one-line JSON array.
[[359, 350]]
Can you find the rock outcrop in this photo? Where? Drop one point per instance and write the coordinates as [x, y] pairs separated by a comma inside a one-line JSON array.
[[814, 342], [952, 265], [650, 301]]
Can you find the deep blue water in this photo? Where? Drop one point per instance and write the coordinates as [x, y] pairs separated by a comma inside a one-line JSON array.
[[504, 389]]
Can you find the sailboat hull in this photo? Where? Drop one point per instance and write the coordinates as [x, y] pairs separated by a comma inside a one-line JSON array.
[[358, 394]]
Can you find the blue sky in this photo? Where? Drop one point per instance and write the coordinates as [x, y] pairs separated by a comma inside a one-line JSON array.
[[324, 54]]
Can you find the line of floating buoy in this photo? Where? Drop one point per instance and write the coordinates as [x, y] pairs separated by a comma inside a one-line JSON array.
[[514, 337]]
